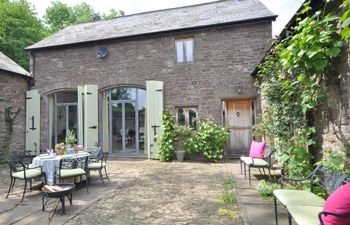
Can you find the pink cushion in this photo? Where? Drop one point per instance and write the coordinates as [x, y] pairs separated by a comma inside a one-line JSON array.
[[257, 149], [338, 202]]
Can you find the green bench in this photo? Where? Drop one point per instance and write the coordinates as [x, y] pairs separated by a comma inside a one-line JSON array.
[[304, 206]]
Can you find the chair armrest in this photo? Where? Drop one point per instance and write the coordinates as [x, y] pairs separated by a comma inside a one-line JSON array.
[[283, 178], [331, 213]]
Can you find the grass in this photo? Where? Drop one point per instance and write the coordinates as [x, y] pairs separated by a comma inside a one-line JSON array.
[[228, 213], [227, 199], [228, 184]]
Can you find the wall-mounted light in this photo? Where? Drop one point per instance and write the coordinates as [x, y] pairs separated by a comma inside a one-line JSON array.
[[101, 52]]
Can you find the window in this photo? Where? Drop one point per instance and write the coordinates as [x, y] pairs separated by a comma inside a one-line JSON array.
[[184, 50], [187, 116]]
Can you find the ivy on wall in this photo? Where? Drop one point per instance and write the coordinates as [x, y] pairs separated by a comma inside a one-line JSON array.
[[9, 119], [291, 78]]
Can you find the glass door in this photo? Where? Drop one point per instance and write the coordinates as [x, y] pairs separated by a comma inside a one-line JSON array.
[[66, 119], [131, 136], [127, 121], [124, 127], [117, 126]]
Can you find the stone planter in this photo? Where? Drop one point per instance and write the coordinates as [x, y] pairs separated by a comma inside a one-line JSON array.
[[180, 155]]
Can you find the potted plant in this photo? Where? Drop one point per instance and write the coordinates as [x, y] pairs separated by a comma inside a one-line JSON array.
[[182, 133], [70, 138]]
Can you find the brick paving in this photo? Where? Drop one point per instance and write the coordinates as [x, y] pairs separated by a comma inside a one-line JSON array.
[[140, 192]]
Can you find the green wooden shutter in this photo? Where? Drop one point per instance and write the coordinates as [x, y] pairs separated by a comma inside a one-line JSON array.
[[80, 115], [90, 116], [33, 122], [154, 104]]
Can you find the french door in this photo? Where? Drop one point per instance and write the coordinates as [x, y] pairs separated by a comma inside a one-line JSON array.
[[66, 119], [124, 127]]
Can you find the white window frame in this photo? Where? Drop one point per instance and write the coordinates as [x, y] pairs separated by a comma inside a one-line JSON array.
[[186, 58], [186, 110]]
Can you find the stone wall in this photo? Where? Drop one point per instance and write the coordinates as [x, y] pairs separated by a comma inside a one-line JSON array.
[[223, 60], [332, 119], [12, 94]]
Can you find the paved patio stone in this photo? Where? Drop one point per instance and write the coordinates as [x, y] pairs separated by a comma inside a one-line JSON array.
[[140, 192]]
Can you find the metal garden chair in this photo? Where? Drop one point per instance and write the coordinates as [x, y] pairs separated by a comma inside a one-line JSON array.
[[99, 164], [71, 167], [20, 171]]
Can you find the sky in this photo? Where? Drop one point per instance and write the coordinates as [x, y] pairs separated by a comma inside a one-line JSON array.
[[283, 8]]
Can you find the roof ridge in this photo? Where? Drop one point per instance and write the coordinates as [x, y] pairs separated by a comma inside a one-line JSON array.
[[199, 16], [153, 11]]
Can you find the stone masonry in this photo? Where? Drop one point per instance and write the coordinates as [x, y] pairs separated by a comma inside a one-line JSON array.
[[223, 59], [332, 119], [12, 94]]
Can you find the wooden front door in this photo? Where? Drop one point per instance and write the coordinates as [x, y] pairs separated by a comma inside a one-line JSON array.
[[239, 120]]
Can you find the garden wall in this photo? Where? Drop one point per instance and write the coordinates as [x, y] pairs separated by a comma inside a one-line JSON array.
[[332, 119], [12, 94]]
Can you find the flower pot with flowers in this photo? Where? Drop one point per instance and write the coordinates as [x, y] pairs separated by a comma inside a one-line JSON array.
[[60, 148], [182, 134], [70, 139]]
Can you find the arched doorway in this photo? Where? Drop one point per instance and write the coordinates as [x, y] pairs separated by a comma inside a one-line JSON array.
[[127, 121]]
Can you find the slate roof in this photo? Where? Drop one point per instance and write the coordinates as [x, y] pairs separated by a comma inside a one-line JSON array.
[[9, 65], [216, 13]]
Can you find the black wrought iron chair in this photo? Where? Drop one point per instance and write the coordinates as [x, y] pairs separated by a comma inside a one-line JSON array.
[[71, 167], [19, 170], [93, 151], [251, 162], [99, 164]]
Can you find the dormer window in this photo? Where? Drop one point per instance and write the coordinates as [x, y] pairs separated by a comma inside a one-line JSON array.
[[184, 50]]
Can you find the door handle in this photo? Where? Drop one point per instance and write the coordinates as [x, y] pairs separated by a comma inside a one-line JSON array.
[[32, 119], [93, 127], [155, 132]]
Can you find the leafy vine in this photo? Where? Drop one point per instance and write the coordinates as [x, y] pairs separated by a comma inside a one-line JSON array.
[[291, 78], [167, 139], [9, 118]]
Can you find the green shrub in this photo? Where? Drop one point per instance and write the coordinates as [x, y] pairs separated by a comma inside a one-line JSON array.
[[265, 188], [182, 134], [209, 139], [166, 142]]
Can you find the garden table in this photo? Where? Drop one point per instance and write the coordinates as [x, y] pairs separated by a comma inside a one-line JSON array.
[[51, 163]]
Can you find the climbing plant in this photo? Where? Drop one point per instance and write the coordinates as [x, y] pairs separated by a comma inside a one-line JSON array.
[[345, 19], [291, 78], [166, 142], [9, 119]]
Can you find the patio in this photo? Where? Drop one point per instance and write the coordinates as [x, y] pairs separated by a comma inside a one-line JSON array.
[[146, 192]]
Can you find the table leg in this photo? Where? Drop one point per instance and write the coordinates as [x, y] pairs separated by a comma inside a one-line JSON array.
[[43, 202], [63, 206]]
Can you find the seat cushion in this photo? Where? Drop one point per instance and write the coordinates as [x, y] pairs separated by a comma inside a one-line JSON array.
[[298, 197], [255, 162], [257, 149], [95, 165], [305, 214], [30, 173], [72, 172], [338, 202], [245, 158]]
